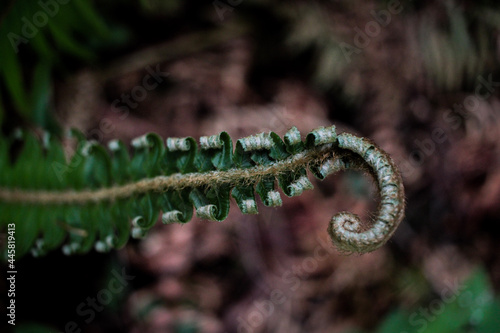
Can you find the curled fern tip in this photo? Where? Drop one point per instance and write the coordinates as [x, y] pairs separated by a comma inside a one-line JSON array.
[[101, 196]]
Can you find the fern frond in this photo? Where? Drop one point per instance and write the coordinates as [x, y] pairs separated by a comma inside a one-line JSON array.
[[100, 197]]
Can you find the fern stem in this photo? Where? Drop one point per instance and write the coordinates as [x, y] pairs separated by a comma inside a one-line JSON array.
[[324, 153], [176, 181]]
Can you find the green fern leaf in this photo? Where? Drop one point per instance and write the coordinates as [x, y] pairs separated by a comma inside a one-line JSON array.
[[101, 197]]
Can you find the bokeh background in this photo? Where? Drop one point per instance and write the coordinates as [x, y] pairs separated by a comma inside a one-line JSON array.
[[421, 78]]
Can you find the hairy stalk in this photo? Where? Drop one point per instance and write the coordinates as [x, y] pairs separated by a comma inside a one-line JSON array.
[[176, 182], [94, 203]]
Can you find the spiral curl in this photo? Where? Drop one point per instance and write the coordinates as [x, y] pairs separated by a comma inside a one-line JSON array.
[[124, 192], [345, 228]]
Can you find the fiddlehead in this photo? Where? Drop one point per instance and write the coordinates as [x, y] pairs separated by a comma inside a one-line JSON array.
[[99, 198], [345, 228]]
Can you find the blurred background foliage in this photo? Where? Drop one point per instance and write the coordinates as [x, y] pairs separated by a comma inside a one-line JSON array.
[[42, 41], [253, 65]]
